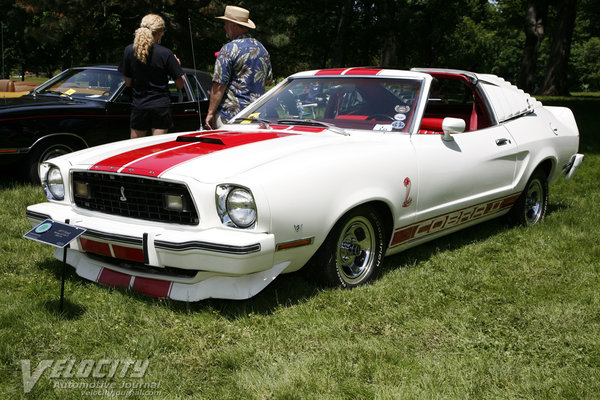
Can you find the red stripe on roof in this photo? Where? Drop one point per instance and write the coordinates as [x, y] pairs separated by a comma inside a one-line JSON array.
[[363, 71], [334, 71], [349, 71]]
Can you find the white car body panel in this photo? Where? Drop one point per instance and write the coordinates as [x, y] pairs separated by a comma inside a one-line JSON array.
[[304, 179]]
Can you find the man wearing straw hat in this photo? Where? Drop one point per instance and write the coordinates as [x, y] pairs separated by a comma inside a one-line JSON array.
[[242, 68]]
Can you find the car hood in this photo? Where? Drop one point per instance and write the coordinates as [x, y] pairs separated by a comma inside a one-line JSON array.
[[28, 101], [204, 156]]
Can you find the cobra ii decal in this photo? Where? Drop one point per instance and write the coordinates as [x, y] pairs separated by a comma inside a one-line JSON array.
[[451, 220]]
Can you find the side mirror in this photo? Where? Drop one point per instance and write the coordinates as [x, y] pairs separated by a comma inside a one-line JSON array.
[[452, 125]]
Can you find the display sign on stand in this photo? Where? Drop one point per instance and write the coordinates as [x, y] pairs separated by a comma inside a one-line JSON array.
[[58, 235]]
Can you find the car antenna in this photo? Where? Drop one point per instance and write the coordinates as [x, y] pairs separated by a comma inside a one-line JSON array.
[[195, 77]]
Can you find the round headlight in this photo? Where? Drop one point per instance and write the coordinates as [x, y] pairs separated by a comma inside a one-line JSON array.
[[241, 207], [54, 183]]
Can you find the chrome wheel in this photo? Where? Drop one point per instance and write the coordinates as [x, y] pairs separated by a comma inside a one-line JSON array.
[[534, 202], [353, 251], [356, 249], [530, 208]]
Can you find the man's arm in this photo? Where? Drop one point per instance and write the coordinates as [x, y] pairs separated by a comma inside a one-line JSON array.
[[216, 95], [179, 82]]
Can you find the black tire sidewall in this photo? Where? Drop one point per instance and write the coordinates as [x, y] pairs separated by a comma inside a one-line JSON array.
[[40, 153], [328, 259], [516, 216]]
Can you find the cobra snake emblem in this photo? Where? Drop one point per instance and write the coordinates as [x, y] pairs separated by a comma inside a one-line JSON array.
[[407, 199]]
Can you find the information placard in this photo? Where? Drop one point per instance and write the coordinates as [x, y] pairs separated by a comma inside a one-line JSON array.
[[54, 233]]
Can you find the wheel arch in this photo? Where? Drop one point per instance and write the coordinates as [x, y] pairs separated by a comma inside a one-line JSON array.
[[381, 207], [54, 136], [41, 147], [547, 166]]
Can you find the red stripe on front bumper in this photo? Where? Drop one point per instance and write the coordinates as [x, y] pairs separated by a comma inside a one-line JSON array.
[[128, 253], [114, 278], [152, 287], [95, 247]]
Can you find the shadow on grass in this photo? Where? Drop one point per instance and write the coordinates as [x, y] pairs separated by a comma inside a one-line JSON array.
[[456, 240], [70, 311], [292, 289]]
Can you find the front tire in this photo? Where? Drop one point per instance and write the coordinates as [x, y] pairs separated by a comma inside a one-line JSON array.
[[354, 249], [46, 151], [531, 207]]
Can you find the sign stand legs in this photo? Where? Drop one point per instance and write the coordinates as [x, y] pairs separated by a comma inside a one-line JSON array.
[[62, 283]]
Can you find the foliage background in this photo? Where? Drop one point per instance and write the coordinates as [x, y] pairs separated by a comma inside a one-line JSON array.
[[44, 36]]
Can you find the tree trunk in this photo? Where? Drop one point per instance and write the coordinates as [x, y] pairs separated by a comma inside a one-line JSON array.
[[535, 20], [338, 57], [389, 49], [556, 83]]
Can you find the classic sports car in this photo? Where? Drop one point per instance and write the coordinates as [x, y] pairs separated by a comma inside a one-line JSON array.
[[331, 168], [83, 107]]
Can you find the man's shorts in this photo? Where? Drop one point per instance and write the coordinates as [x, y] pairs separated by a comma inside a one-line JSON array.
[[153, 118]]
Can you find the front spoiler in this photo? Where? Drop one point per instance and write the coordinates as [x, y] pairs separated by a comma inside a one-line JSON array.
[[164, 261], [219, 287]]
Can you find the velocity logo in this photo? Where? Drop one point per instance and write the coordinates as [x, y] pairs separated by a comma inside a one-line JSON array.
[[70, 370]]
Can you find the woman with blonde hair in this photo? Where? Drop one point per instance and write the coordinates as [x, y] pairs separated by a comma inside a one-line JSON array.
[[146, 66]]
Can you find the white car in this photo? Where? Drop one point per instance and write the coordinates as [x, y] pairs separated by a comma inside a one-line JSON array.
[[331, 168]]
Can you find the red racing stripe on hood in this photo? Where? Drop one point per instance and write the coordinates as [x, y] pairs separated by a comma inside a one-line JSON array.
[[156, 159]]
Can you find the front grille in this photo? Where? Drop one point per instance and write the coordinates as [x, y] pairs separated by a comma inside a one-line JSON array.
[[134, 197]]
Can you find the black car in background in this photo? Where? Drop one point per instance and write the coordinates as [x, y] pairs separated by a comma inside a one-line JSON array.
[[84, 107]]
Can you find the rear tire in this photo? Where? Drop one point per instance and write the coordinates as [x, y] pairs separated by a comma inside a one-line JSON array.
[[353, 251], [530, 208]]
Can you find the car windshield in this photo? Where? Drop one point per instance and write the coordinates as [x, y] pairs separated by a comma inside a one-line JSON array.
[[350, 103], [88, 83]]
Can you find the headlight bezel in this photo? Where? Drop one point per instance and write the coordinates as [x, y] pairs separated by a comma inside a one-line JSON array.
[[236, 206], [53, 182]]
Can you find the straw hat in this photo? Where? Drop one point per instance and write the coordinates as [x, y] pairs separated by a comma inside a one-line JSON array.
[[239, 16]]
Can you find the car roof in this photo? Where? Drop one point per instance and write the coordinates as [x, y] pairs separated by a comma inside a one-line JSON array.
[[361, 72]]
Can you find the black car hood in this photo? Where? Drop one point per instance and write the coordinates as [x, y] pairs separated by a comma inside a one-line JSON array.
[[28, 101]]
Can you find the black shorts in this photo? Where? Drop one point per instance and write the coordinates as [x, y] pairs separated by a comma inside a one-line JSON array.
[[152, 118]]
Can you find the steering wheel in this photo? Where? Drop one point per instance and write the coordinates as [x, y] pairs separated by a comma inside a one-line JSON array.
[[384, 117]]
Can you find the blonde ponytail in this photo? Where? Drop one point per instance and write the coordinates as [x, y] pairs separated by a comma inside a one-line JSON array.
[[144, 35]]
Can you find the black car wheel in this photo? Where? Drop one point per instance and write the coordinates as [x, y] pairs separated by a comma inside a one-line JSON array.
[[45, 151], [353, 251], [530, 208]]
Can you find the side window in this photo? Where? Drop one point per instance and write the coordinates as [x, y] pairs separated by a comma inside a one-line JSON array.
[[457, 98], [450, 91], [196, 88], [125, 96], [178, 95]]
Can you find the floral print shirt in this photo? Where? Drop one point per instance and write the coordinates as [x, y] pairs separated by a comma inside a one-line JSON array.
[[244, 66]]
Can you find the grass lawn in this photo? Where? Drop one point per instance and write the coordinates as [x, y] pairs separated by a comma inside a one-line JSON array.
[[493, 312]]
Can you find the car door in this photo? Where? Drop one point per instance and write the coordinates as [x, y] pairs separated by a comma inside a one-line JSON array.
[[466, 178], [185, 105]]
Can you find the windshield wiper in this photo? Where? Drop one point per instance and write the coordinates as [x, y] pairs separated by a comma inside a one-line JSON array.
[[313, 122], [265, 123], [58, 92]]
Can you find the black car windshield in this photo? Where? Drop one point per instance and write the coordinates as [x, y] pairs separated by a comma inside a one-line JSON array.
[[383, 104], [89, 83]]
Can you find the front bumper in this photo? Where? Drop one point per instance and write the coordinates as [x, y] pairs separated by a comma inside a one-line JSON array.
[[165, 260]]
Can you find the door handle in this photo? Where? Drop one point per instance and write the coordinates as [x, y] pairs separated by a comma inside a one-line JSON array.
[[190, 110], [502, 142]]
